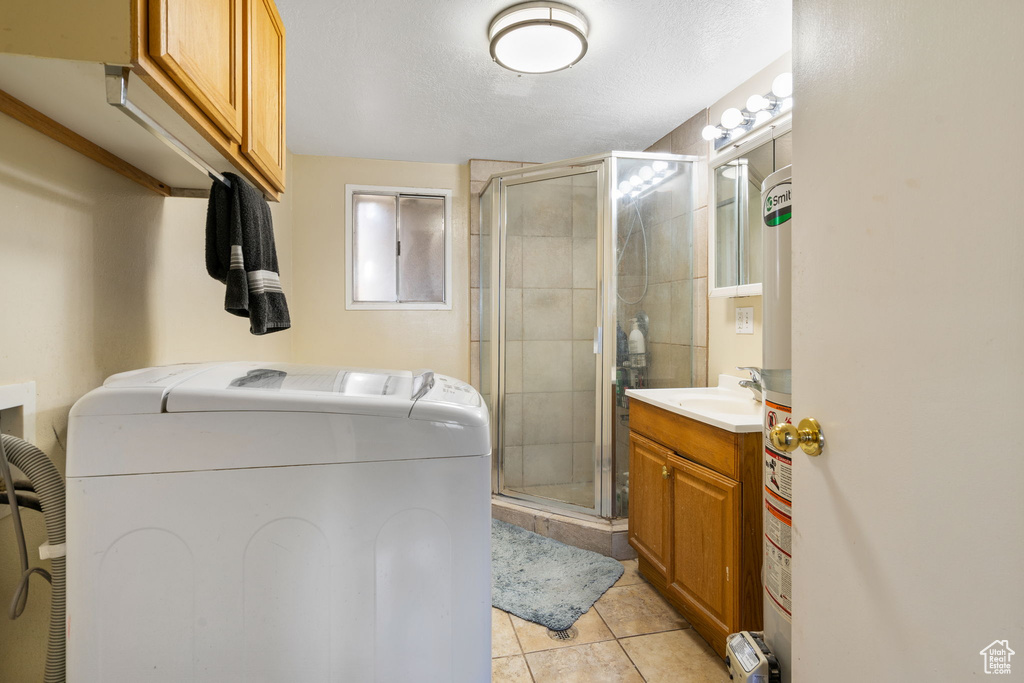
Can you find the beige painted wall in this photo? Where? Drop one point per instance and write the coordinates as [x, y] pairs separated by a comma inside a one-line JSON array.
[[98, 275], [327, 333], [726, 349]]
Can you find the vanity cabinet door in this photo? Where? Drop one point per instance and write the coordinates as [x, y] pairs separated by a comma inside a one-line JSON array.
[[264, 143], [650, 502], [198, 43], [706, 544]]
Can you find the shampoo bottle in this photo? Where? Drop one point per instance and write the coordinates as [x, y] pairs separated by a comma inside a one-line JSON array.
[[637, 348]]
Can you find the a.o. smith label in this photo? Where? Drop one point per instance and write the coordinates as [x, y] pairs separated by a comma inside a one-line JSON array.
[[778, 204]]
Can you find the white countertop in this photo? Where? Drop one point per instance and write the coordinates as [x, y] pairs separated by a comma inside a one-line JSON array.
[[727, 406]]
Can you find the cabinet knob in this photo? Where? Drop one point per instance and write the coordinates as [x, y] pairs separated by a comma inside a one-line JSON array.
[[664, 471], [808, 436]]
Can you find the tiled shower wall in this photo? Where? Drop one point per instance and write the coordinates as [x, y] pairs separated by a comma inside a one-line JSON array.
[[686, 139], [479, 171], [679, 354], [655, 269], [550, 298]]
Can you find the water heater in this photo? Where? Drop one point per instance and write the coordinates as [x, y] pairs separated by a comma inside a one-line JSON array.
[[776, 377]]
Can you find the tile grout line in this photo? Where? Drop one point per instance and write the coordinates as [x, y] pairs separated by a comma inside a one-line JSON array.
[[522, 650], [651, 633], [529, 669], [626, 652]]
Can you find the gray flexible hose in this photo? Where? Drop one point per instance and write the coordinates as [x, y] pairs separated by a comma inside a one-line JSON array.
[[21, 594], [49, 486]]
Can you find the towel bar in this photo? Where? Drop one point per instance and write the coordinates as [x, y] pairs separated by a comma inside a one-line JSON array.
[[117, 95]]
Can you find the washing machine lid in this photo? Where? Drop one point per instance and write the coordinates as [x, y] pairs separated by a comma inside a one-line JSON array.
[[289, 387], [136, 392]]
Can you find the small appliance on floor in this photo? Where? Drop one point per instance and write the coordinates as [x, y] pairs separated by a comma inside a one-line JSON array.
[[277, 522], [749, 660]]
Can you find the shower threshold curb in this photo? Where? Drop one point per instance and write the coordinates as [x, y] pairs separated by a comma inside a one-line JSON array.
[[606, 536]]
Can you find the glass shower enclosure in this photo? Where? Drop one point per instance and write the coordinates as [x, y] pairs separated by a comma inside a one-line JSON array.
[[586, 269]]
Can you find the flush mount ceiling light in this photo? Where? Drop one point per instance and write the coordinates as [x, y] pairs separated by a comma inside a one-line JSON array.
[[538, 37]]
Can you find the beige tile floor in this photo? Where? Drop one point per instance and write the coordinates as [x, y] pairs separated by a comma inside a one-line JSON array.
[[630, 635]]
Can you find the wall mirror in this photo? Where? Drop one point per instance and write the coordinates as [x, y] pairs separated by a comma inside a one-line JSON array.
[[734, 253]]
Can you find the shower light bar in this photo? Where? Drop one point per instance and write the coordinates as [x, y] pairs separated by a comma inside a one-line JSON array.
[[644, 180], [760, 109]]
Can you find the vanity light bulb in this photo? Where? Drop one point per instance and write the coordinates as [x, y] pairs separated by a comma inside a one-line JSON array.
[[625, 186], [787, 104], [659, 166], [761, 117], [634, 193], [646, 173], [732, 117], [757, 103], [710, 133], [636, 181], [782, 86]]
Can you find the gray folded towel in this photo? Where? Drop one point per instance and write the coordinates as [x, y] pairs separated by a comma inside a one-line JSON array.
[[240, 253]]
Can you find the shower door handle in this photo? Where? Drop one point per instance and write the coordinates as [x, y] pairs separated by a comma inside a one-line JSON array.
[[598, 340]]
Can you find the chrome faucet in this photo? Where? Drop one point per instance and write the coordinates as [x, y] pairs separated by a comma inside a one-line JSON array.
[[754, 383]]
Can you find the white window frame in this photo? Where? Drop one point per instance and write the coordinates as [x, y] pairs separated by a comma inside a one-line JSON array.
[[351, 305]]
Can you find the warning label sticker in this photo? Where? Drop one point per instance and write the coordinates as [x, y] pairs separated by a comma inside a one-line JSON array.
[[778, 476], [778, 515], [778, 579]]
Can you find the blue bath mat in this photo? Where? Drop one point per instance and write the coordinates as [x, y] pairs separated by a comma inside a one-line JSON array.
[[545, 581]]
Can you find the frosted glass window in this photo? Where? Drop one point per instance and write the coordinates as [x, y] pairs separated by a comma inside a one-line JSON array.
[[374, 240], [399, 245], [421, 257]]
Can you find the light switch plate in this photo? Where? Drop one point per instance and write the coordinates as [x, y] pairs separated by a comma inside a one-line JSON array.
[[745, 320]]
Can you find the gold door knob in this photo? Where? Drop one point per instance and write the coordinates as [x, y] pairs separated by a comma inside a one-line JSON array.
[[664, 471], [808, 436]]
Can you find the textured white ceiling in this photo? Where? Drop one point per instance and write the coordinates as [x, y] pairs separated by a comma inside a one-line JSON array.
[[413, 81]]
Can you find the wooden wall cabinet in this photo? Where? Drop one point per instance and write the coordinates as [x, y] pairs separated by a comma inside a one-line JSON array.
[[220, 63], [199, 44], [211, 72], [695, 519], [264, 121]]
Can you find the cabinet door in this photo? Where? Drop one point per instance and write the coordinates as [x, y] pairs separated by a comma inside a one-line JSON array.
[[198, 43], [706, 543], [264, 143], [650, 501]]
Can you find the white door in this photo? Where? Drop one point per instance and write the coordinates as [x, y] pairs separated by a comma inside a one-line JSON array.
[[908, 338]]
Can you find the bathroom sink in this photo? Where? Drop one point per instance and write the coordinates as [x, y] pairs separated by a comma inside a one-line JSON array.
[[727, 406], [731, 405]]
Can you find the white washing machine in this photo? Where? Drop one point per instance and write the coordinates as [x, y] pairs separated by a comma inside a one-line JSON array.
[[276, 522]]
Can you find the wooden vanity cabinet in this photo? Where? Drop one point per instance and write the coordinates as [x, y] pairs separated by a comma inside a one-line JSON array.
[[651, 502], [695, 518]]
